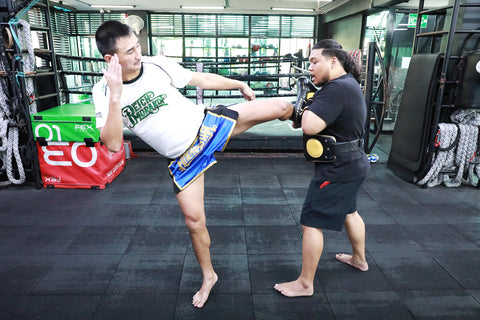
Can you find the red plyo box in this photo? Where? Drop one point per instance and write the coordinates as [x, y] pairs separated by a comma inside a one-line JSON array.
[[75, 165]]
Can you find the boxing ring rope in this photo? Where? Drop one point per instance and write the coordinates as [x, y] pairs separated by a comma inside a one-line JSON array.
[[94, 65]]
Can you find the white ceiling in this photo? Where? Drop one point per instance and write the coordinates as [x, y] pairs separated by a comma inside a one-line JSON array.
[[232, 6]]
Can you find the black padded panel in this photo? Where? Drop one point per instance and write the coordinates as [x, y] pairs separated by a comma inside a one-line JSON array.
[[414, 119], [469, 96]]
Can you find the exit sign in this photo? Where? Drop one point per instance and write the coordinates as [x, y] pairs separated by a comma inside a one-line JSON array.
[[412, 21]]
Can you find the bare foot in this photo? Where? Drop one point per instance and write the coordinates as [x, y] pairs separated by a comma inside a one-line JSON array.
[[348, 259], [294, 289], [201, 296]]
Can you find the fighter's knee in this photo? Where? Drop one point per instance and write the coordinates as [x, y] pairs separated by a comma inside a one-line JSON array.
[[284, 108], [288, 107], [353, 216], [284, 105], [195, 224]]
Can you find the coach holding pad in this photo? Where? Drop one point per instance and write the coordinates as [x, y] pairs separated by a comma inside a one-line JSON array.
[[338, 114]]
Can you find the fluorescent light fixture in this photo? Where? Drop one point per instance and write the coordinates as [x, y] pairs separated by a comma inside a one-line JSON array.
[[111, 6], [202, 7], [292, 9]]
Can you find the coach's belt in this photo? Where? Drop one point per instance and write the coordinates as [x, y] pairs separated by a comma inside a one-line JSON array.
[[323, 148]]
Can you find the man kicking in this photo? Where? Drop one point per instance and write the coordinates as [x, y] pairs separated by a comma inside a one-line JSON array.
[[141, 93]]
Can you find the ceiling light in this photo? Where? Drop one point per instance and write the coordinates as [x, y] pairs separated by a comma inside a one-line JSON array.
[[111, 6], [202, 7], [292, 9]]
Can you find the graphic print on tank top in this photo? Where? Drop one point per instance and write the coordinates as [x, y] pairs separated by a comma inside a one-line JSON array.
[[144, 106]]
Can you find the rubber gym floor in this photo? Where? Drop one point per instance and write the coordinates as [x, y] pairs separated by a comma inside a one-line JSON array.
[[124, 252]]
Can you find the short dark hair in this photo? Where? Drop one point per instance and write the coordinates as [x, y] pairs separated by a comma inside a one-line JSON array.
[[332, 48], [107, 35]]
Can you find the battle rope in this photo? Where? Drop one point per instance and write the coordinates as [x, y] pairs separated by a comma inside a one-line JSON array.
[[12, 147], [8, 130], [5, 116], [9, 140], [471, 117], [467, 146], [456, 161], [28, 61], [444, 158], [24, 40]]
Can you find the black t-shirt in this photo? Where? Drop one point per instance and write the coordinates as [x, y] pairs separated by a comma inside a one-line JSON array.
[[340, 103]]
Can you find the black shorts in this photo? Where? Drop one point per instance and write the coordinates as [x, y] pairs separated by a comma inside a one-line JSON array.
[[328, 203]]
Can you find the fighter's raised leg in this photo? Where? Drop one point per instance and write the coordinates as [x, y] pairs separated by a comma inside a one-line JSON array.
[[259, 111]]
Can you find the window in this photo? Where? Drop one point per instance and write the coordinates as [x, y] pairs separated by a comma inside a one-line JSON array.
[[166, 24], [233, 25], [206, 37], [168, 46], [265, 26], [298, 27], [295, 46], [199, 25]]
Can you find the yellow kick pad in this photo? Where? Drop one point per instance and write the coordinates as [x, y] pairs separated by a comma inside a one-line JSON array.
[[314, 148]]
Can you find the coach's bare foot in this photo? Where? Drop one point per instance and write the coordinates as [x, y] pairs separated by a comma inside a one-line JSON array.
[[294, 289], [348, 259], [201, 296]]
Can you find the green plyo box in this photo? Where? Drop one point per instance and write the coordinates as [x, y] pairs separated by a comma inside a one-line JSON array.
[[68, 122]]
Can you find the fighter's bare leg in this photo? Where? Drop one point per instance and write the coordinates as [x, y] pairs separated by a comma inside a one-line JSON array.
[[192, 205], [312, 248], [258, 111], [356, 233]]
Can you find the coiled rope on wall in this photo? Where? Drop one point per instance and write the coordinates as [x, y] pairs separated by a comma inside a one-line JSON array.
[[9, 144], [28, 58], [457, 160], [443, 160], [11, 96], [9, 133]]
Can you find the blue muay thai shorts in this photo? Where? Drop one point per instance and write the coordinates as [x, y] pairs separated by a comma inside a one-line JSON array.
[[213, 135]]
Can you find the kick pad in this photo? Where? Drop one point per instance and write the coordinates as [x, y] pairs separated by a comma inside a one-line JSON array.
[[318, 148], [314, 148], [413, 127], [469, 96]]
